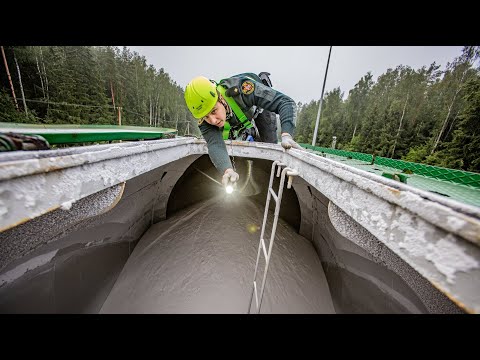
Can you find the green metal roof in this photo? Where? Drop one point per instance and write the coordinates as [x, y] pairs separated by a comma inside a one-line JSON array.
[[460, 185], [67, 134]]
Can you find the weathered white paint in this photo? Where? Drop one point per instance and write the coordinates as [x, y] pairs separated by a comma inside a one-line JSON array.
[[436, 236]]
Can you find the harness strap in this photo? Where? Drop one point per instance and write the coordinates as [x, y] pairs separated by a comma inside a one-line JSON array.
[[246, 124]]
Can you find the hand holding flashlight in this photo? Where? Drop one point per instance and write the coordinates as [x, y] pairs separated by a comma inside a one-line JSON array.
[[230, 177]]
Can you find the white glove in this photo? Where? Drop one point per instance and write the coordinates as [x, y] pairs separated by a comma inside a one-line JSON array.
[[229, 176], [288, 142]]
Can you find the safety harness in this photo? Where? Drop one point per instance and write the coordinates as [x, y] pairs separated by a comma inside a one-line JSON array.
[[246, 124]]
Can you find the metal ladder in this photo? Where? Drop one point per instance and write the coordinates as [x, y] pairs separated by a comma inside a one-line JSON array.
[[261, 246]]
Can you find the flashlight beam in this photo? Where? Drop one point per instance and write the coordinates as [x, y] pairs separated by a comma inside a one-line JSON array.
[[219, 183]]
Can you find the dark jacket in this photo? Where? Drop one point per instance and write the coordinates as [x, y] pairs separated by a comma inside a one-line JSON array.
[[248, 91]]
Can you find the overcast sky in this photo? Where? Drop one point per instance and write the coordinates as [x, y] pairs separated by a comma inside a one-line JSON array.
[[297, 71]]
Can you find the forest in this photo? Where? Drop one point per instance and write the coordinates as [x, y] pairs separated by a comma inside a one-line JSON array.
[[424, 115], [421, 115], [98, 85]]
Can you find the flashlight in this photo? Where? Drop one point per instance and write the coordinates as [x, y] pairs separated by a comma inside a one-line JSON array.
[[229, 189]]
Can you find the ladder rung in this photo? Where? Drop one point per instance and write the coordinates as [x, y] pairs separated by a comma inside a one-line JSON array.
[[264, 248], [278, 198], [275, 197]]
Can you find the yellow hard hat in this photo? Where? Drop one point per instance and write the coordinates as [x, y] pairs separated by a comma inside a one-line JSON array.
[[200, 96]]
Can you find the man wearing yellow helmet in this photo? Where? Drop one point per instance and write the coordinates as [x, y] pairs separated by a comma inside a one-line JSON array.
[[224, 111]]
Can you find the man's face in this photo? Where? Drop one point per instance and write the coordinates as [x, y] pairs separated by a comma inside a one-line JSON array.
[[217, 116]]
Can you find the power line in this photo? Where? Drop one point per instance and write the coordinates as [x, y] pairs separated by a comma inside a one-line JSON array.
[[64, 103], [96, 106], [174, 121]]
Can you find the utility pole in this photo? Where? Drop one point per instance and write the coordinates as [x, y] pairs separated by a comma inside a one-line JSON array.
[[9, 78], [321, 100]]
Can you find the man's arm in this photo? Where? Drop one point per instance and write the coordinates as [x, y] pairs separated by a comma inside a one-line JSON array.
[[217, 150], [272, 100]]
